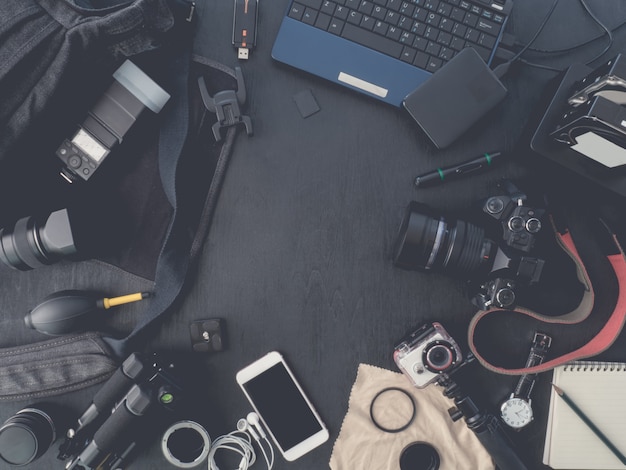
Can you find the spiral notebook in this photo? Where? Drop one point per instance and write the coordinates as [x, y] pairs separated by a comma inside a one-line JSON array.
[[599, 390]]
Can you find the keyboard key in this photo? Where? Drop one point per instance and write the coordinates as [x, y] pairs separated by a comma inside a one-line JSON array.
[[394, 5], [296, 11], [446, 54], [323, 21], [421, 59], [488, 27], [341, 12], [372, 40], [335, 26], [380, 27], [487, 40], [367, 22], [470, 20], [434, 64], [457, 15], [407, 9], [420, 43], [394, 33], [379, 12], [328, 7], [457, 43], [420, 14], [366, 7], [355, 17], [309, 16], [315, 4], [433, 48], [408, 55]]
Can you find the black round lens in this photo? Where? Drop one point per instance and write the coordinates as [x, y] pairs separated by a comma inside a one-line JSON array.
[[419, 456], [427, 241], [439, 356], [26, 436]]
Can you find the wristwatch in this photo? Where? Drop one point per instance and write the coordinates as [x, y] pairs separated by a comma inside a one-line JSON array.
[[516, 411]]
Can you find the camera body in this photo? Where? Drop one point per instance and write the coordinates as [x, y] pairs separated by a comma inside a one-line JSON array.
[[427, 353], [520, 223]]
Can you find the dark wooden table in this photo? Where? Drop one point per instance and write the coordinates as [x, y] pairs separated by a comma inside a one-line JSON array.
[[299, 257]]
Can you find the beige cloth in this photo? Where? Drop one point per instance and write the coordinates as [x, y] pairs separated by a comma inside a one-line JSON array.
[[362, 446]]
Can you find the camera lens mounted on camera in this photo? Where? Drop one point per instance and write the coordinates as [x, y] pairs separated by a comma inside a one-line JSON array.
[[439, 356]]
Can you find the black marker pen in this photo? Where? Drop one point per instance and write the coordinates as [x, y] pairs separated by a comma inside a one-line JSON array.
[[440, 175]]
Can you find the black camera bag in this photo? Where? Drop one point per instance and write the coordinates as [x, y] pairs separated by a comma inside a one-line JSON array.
[[144, 217]]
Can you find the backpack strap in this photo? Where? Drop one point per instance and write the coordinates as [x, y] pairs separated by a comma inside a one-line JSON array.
[[178, 248]]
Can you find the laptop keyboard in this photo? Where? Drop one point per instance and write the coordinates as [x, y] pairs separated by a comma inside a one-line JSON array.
[[425, 33]]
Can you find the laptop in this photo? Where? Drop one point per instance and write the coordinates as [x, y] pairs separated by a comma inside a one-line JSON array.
[[386, 48]]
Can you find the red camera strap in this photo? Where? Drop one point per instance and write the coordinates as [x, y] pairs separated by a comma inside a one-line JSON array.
[[599, 343]]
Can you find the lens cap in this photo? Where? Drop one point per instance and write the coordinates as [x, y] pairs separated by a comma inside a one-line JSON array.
[[419, 456], [26, 436]]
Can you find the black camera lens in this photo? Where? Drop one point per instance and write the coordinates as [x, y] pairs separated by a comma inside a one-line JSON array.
[[26, 436], [427, 241], [439, 356], [32, 243]]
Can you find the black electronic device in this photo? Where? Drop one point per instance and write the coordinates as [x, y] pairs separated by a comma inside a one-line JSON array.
[[108, 432], [455, 98], [426, 353], [487, 427], [594, 122], [280, 402], [429, 241], [27, 435], [547, 138], [245, 19], [106, 124], [37, 241]]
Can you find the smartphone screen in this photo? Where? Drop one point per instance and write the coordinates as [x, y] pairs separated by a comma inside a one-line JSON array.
[[282, 406]]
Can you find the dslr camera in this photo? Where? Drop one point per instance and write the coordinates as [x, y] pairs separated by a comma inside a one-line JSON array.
[[427, 353], [428, 241]]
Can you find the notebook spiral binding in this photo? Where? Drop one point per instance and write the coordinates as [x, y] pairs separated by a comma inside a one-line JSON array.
[[595, 366]]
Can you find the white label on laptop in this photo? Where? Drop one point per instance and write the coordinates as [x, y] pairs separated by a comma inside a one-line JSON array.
[[362, 84], [600, 149]]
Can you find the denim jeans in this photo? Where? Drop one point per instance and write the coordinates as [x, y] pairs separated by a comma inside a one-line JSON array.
[[45, 43]]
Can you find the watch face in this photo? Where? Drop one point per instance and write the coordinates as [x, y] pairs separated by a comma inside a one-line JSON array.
[[516, 412]]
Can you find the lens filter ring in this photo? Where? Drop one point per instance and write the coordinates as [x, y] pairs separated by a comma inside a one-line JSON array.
[[405, 423]]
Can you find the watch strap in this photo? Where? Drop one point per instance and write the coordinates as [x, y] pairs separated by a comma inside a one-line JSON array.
[[538, 350]]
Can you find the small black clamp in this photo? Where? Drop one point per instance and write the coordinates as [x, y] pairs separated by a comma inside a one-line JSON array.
[[207, 335], [226, 105]]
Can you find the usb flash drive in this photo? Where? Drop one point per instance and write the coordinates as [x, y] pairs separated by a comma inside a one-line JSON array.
[[244, 26]]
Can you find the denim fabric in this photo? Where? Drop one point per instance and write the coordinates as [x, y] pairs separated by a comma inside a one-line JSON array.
[[53, 367], [44, 43]]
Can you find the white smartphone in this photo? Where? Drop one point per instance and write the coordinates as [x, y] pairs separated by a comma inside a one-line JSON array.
[[284, 409]]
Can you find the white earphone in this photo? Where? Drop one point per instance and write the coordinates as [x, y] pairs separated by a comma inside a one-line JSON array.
[[253, 419]]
